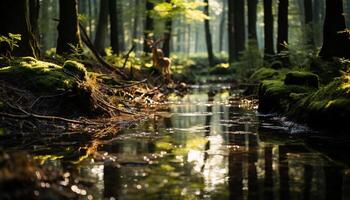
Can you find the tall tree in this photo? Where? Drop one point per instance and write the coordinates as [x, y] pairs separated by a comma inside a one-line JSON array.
[[114, 26], [120, 24], [68, 27], [239, 26], [268, 30], [336, 42], [222, 26], [16, 18], [148, 25], [231, 32], [102, 27], [208, 38], [309, 24], [252, 19], [282, 35], [167, 34]]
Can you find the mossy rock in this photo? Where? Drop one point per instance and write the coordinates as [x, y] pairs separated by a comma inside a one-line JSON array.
[[76, 69], [275, 96], [307, 79], [328, 108], [264, 74]]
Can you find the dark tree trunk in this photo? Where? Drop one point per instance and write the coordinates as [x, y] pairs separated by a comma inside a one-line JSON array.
[[102, 27], [239, 26], [268, 30], [167, 37], [68, 27], [309, 23], [252, 19], [282, 37], [120, 24], [222, 26], [114, 26], [208, 36], [136, 24], [44, 25], [148, 25], [15, 18], [335, 42], [231, 32], [34, 8]]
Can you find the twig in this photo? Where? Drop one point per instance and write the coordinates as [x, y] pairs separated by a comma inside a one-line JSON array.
[[127, 55], [49, 96]]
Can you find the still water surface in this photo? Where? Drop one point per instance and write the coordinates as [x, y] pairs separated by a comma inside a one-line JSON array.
[[210, 144]]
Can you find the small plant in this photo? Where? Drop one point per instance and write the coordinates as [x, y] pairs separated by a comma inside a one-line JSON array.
[[12, 41]]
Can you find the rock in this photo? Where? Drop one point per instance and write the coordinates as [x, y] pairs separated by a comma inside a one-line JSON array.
[[307, 79]]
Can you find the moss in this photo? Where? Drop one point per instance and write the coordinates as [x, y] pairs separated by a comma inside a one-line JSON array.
[[275, 96], [264, 74], [37, 76], [76, 69], [329, 107], [302, 78]]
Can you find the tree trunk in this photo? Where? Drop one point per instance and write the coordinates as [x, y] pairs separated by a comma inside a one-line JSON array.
[[102, 27], [120, 24], [15, 18], [239, 26], [335, 42], [309, 23], [268, 30], [282, 37], [148, 25], [252, 19], [114, 26], [68, 28], [231, 33], [44, 25], [208, 36], [136, 23], [222, 26], [167, 37]]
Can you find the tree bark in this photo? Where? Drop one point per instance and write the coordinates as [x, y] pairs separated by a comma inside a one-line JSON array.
[[208, 38], [309, 25], [68, 28], [239, 26], [120, 24], [231, 32], [335, 42], [252, 19], [167, 37], [268, 30], [15, 18], [222, 26], [114, 26], [102, 27], [282, 37], [148, 26]]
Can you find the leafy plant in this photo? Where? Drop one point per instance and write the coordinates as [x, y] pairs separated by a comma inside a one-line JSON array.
[[11, 40]]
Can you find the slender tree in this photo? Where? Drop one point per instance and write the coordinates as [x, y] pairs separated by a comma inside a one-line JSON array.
[[208, 38], [167, 35], [16, 18], [268, 30], [336, 42], [222, 26], [252, 19], [239, 26], [309, 24], [120, 24], [114, 26], [102, 27], [231, 32], [282, 36], [68, 27], [148, 25]]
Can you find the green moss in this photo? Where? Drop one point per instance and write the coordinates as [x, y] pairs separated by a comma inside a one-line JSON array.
[[302, 78], [76, 69], [328, 107], [37, 76], [264, 74], [275, 96]]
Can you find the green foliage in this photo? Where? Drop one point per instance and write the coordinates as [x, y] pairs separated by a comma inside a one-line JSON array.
[[188, 9], [11, 40], [264, 74], [302, 78]]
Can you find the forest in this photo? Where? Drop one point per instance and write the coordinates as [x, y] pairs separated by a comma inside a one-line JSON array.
[[174, 99]]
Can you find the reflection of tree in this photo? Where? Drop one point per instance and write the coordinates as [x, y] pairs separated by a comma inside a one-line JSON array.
[[252, 172], [112, 181], [307, 181], [268, 184], [284, 172], [334, 183]]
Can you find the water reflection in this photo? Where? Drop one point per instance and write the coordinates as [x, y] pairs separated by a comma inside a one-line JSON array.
[[210, 145]]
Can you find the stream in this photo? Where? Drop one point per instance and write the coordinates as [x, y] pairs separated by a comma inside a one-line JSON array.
[[211, 144]]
